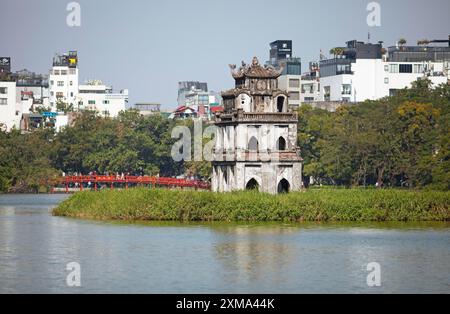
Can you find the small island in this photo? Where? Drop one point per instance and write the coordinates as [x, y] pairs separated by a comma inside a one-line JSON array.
[[141, 204]]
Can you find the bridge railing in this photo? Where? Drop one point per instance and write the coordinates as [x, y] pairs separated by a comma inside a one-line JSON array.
[[111, 179]]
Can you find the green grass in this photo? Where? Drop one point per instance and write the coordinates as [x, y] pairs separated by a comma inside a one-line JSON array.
[[312, 205]]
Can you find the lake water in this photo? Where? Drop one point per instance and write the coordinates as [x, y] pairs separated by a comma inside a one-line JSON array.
[[35, 248]]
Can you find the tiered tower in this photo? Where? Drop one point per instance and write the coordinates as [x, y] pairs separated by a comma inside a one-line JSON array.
[[256, 136]]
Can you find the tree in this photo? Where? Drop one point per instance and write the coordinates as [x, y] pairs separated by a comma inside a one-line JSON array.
[[62, 106], [336, 51]]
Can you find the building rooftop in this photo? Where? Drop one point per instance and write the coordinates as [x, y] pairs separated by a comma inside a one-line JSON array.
[[69, 59]]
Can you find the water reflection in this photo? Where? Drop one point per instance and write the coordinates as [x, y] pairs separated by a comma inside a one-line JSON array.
[[254, 252], [161, 257]]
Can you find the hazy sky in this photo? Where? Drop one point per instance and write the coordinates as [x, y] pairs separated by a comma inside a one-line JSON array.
[[148, 46]]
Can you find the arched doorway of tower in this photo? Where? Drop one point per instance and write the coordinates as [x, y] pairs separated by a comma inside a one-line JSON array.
[[252, 184], [281, 143], [283, 186]]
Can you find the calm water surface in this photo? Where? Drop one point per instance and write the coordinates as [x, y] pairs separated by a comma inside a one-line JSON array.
[[35, 248]]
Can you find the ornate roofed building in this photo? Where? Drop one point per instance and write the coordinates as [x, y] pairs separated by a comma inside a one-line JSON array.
[[256, 135]]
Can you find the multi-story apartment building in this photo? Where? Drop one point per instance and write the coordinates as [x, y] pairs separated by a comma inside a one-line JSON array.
[[101, 98], [310, 84], [9, 117], [63, 80], [8, 112], [32, 91], [364, 71], [194, 100], [186, 87]]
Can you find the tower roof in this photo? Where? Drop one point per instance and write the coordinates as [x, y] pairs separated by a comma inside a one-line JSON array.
[[254, 70]]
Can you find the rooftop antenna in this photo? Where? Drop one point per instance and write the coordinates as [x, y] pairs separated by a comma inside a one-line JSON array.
[[368, 37]]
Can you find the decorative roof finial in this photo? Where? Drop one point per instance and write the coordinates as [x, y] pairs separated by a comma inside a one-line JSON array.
[[255, 61]]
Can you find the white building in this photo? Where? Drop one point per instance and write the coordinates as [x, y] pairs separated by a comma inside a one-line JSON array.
[[361, 72], [63, 80], [98, 97], [292, 85], [94, 95], [310, 84], [9, 117]]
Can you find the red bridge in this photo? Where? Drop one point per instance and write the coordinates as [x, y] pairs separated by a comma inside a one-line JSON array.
[[95, 182]]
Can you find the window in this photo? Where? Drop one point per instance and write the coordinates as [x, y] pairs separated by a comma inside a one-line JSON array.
[[56, 72], [71, 94], [71, 83], [326, 93], [294, 83], [386, 80], [72, 71], [386, 68], [253, 144], [294, 95], [63, 72], [309, 99], [307, 88], [3, 101], [52, 93], [280, 104], [60, 83], [343, 69], [105, 102], [91, 102], [51, 82], [405, 68], [346, 89], [418, 68], [59, 94], [393, 68], [281, 143], [3, 90]]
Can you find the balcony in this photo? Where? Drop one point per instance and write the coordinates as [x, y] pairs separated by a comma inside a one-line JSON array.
[[258, 117]]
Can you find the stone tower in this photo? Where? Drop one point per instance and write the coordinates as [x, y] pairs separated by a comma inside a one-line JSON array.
[[256, 135]]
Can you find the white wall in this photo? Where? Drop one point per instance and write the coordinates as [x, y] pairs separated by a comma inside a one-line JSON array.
[[112, 103], [283, 84], [8, 110], [69, 89], [372, 79]]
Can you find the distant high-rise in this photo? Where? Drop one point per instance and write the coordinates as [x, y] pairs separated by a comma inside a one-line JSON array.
[[63, 79], [280, 50], [186, 87], [5, 64]]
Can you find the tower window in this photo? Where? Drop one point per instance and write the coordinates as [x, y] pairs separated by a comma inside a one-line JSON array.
[[281, 143], [280, 104], [253, 144]]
